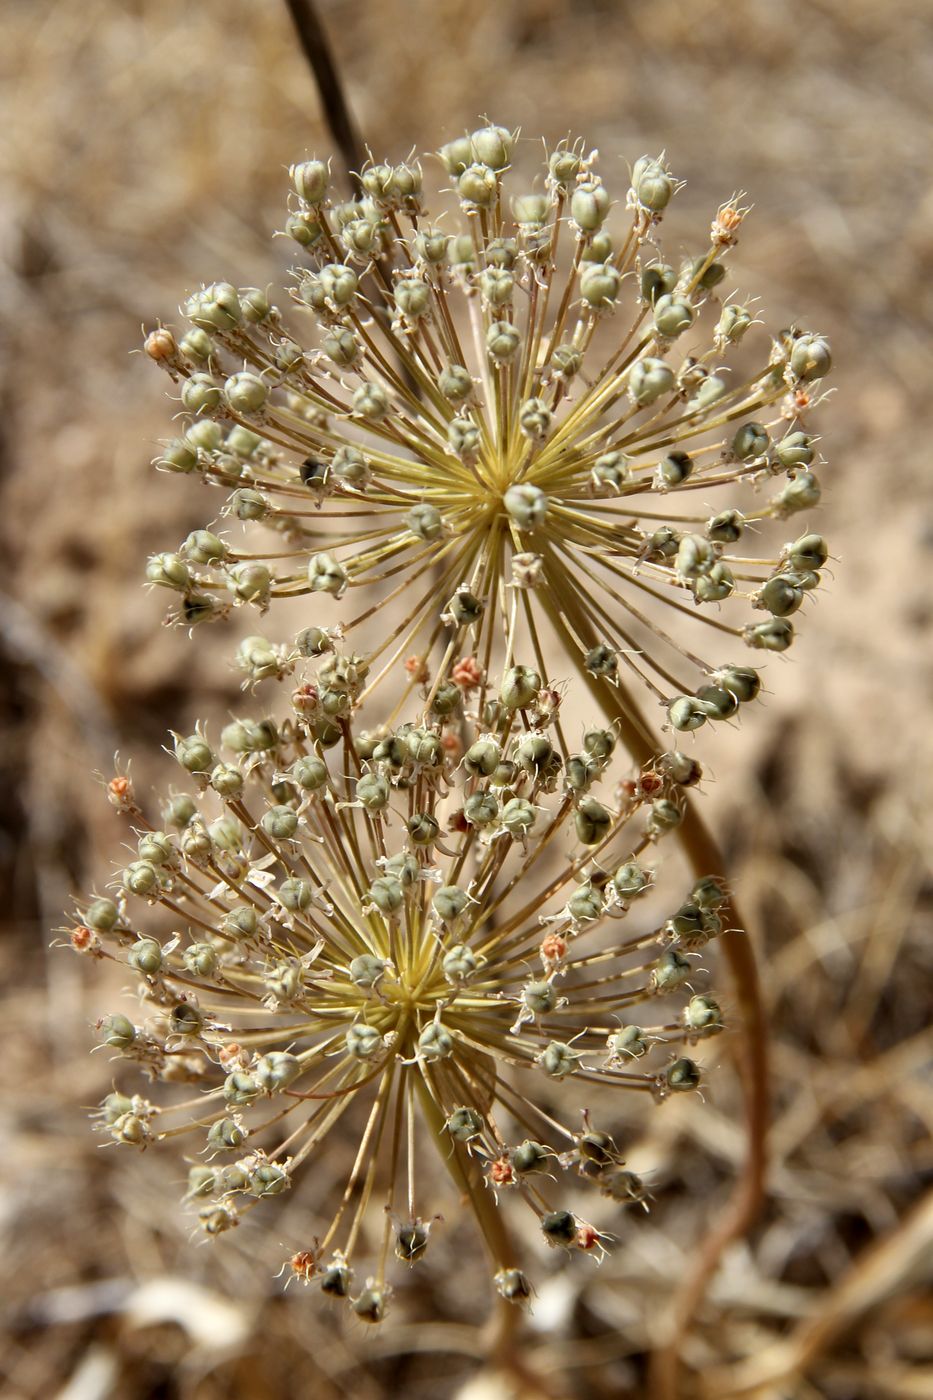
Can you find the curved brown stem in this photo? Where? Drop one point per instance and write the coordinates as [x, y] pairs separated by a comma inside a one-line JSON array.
[[705, 858], [317, 50]]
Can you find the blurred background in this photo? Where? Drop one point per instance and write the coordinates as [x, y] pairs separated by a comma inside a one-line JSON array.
[[144, 151]]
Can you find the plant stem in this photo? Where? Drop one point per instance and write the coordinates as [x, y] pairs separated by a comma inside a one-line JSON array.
[[340, 121]]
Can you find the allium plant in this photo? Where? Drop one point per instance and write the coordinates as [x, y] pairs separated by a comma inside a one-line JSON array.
[[429, 930], [465, 440], [505, 415]]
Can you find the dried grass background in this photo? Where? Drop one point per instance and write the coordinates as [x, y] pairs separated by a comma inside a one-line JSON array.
[[143, 151]]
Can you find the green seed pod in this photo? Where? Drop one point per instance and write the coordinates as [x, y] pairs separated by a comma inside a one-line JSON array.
[[714, 586], [145, 956], [227, 780], [566, 361], [250, 583], [456, 155], [241, 1089], [431, 245], [169, 571], [733, 322], [519, 688], [652, 184], [464, 1124], [201, 959], [589, 205], [776, 634], [295, 895], [276, 1070], [703, 1014], [101, 915], [794, 450], [435, 1042], [413, 298], [627, 1043], [326, 575], [534, 753], [673, 471], [530, 210], [449, 902], [672, 317], [518, 817], [648, 379], [350, 467], [539, 997], [423, 828], [559, 1227], [226, 1135], [240, 922], [255, 305], [811, 357], [526, 504], [599, 248], [341, 346], [670, 971], [203, 547], [339, 283], [304, 228], [599, 285], [502, 342], [742, 681], [200, 394], [599, 743], [386, 894], [481, 809], [529, 1157], [373, 791], [610, 472], [665, 816], [247, 504], [245, 392], [630, 880], [585, 904], [247, 736], [463, 436], [680, 768], [685, 713], [657, 281], [459, 964], [377, 181], [116, 1031], [280, 823], [141, 878], [461, 254], [682, 1076], [695, 556], [178, 456], [717, 702], [371, 402], [201, 1182], [710, 391], [535, 419], [268, 1179], [781, 595], [455, 383], [563, 167], [482, 757], [725, 528], [363, 1042], [710, 275], [751, 440], [215, 308], [336, 1278], [492, 145], [558, 1059], [582, 772], [496, 285], [708, 893], [205, 436], [311, 179], [477, 185], [807, 554], [197, 345], [425, 522]]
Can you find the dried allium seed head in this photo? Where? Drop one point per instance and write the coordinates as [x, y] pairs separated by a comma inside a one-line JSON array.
[[505, 405], [357, 925]]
